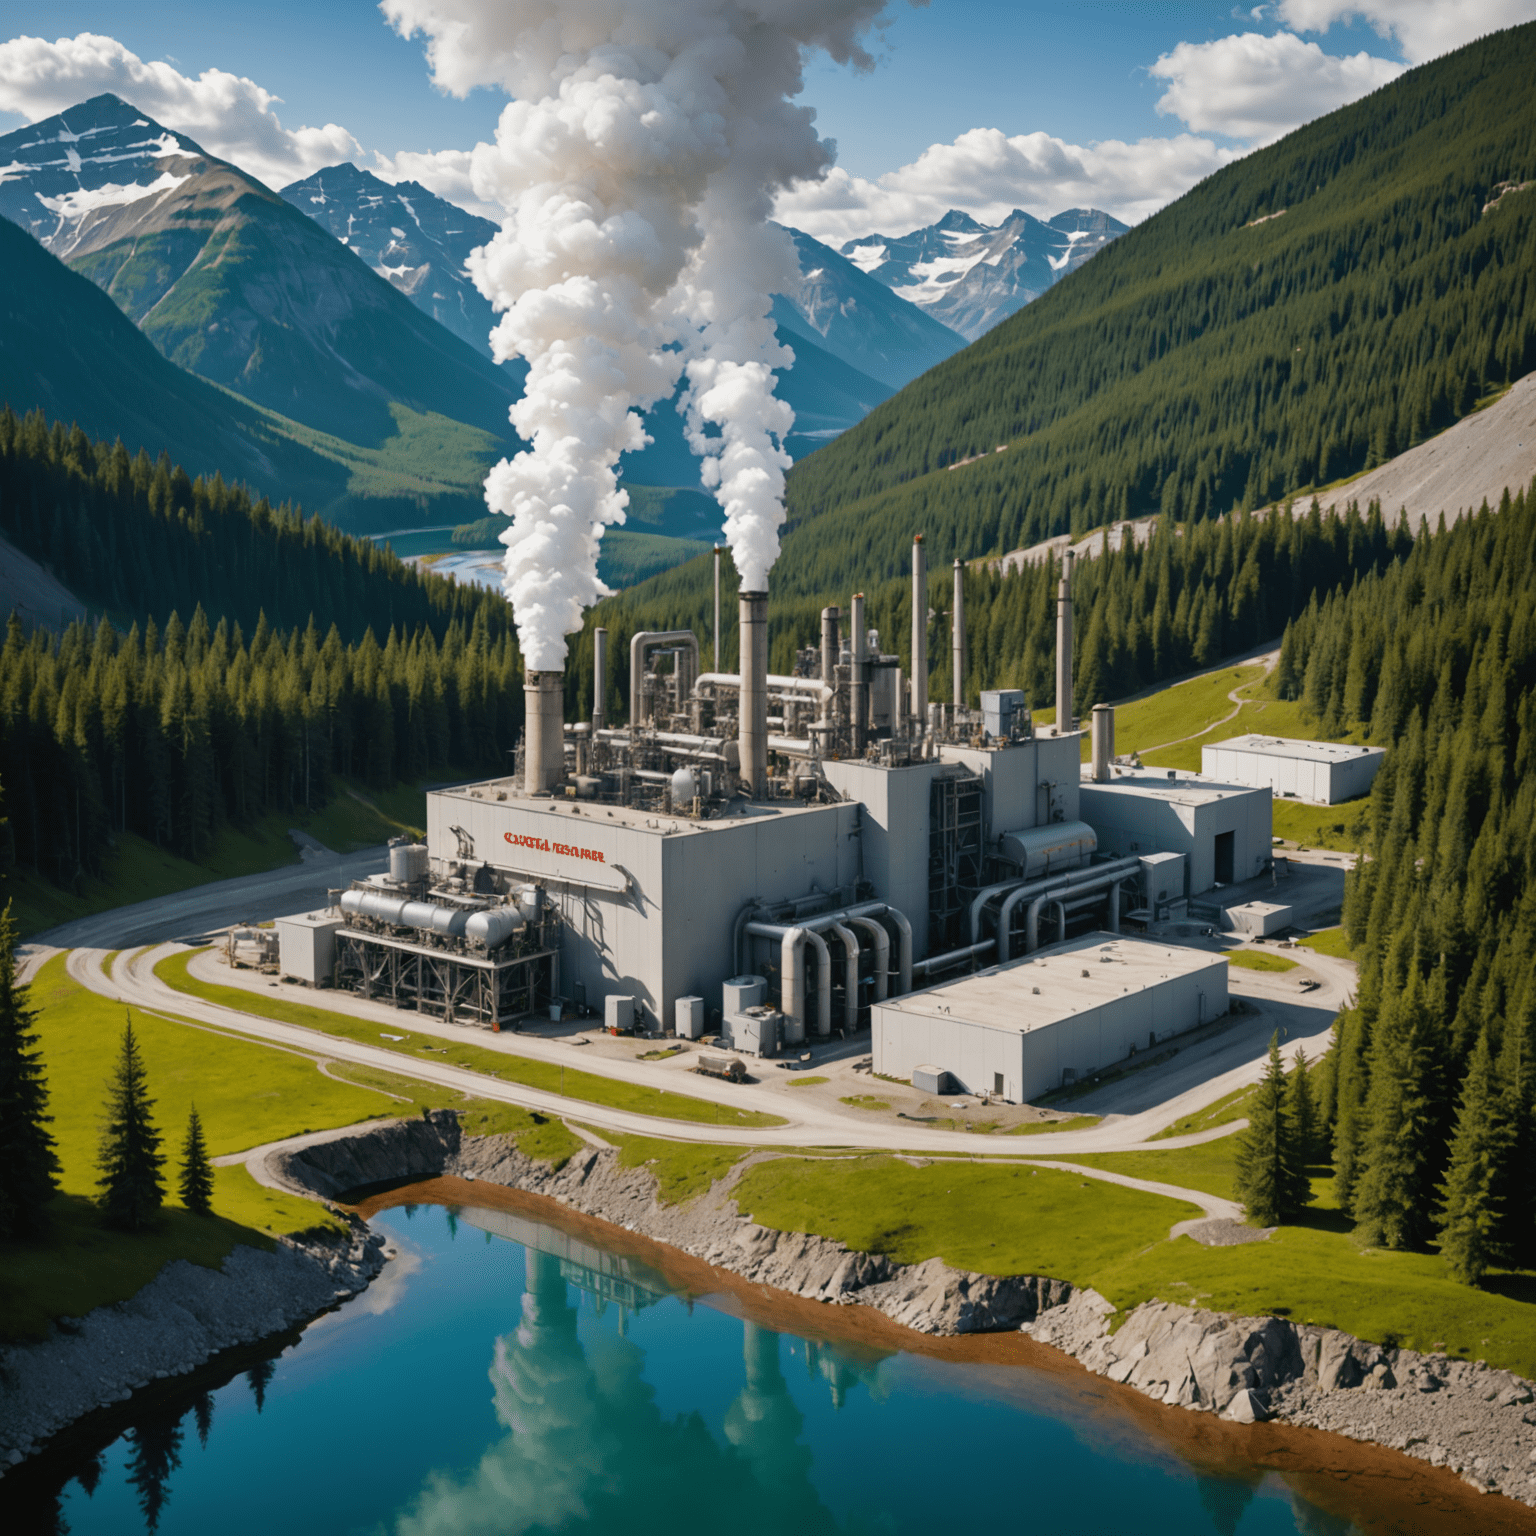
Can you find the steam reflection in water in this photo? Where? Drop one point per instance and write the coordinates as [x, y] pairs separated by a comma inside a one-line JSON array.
[[614, 1405]]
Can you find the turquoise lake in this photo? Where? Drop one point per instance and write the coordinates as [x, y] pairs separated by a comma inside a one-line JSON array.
[[503, 1377]]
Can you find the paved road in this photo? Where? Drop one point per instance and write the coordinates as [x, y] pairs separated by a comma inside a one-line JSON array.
[[203, 909]]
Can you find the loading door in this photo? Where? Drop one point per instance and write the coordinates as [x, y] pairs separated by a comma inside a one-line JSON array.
[[1226, 857]]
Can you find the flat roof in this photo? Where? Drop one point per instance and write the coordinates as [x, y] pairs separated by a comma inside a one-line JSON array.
[[660, 823], [1284, 746], [1177, 789], [1050, 985]]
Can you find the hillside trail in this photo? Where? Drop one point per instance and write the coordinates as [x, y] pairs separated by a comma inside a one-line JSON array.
[[1269, 661]]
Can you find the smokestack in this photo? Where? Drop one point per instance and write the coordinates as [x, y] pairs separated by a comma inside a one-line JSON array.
[[1064, 717], [1103, 742], [958, 637], [599, 678], [858, 688], [715, 664], [919, 634], [752, 706], [544, 734], [829, 650]]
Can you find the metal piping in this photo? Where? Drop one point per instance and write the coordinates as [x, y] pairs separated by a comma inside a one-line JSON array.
[[858, 687], [489, 926], [544, 731], [829, 654], [714, 659], [639, 644], [954, 957], [850, 976], [919, 632], [1064, 717], [1103, 741], [1066, 893], [599, 679], [957, 638], [1046, 890], [865, 909], [792, 943], [752, 703], [882, 942], [775, 683]]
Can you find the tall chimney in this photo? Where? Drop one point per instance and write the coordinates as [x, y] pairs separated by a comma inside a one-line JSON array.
[[715, 664], [919, 635], [1064, 718], [544, 733], [958, 637], [1103, 742], [829, 651], [752, 706], [599, 679], [858, 687]]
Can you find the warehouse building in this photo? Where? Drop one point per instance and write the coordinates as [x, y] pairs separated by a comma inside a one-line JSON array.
[[1018, 1030], [1322, 772]]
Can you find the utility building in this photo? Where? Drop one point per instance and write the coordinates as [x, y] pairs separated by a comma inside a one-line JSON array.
[[1054, 1017], [1323, 772], [1223, 830]]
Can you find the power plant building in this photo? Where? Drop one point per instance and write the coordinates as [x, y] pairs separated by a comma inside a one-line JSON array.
[[1054, 1017], [1322, 772]]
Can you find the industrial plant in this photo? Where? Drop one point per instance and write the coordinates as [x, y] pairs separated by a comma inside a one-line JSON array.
[[771, 861]]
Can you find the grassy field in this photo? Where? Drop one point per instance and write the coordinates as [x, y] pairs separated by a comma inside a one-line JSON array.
[[548, 1076], [1330, 941], [136, 870], [1230, 1107], [1339, 827], [1044, 1127], [1256, 960], [682, 1169]]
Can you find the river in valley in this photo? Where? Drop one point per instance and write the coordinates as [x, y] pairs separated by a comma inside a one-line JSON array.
[[506, 1376]]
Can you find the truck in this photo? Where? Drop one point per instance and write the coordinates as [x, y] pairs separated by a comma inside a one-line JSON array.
[[731, 1068]]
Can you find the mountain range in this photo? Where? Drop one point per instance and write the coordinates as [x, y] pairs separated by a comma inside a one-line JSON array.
[[970, 275]]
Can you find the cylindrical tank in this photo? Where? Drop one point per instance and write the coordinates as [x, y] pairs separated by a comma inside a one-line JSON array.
[[1103, 741], [530, 902], [493, 926], [1049, 849], [753, 704], [919, 632], [743, 992], [407, 862], [685, 786], [858, 687], [1064, 719], [544, 734]]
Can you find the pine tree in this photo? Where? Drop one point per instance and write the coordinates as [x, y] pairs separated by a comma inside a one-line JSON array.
[[1469, 1216], [196, 1182], [28, 1163], [133, 1187], [1298, 1103], [1271, 1182]]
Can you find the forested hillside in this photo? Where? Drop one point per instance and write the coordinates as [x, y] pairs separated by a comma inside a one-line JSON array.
[[1431, 1091], [1301, 315]]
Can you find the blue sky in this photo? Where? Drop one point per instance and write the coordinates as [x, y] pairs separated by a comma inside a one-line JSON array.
[[1016, 101]]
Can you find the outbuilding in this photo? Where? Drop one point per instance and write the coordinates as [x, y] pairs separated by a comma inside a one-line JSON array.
[[1322, 772], [1057, 1016]]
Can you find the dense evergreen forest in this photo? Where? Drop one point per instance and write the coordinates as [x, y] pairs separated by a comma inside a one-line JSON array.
[[141, 539], [1430, 1094], [1305, 313]]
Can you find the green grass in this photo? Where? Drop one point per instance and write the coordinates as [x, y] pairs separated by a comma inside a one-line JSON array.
[[1046, 1127], [1342, 828], [1230, 1107], [865, 1101], [663, 1054], [548, 1076], [998, 1220], [683, 1169], [1256, 960], [1186, 709], [807, 1082], [1330, 941], [1210, 1167]]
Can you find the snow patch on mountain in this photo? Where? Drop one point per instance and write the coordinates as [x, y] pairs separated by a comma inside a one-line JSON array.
[[111, 194]]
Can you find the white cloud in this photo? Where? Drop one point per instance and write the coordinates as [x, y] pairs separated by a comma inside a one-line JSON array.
[[1423, 29], [230, 116], [987, 174], [447, 172], [1256, 87]]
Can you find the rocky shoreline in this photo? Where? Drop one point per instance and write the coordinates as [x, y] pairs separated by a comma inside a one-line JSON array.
[[1470, 1418]]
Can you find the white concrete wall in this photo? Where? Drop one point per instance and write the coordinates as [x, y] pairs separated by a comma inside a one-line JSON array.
[[1320, 781], [1128, 823]]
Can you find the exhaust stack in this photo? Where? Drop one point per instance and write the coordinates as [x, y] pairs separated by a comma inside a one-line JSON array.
[[829, 655], [544, 733], [1064, 718], [958, 638], [1103, 742], [858, 687], [752, 706], [599, 678], [715, 661], [919, 635]]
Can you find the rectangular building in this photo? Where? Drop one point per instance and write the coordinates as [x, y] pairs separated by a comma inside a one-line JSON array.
[[1021, 1029], [1322, 772], [1223, 830]]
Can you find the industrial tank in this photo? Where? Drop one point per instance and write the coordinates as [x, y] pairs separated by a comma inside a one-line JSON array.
[[1047, 850]]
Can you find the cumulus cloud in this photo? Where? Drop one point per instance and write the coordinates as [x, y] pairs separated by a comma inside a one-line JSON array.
[[1423, 29], [988, 174], [230, 116], [1256, 87], [447, 172]]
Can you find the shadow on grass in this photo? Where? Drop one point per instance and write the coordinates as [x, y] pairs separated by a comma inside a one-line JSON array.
[[78, 1264]]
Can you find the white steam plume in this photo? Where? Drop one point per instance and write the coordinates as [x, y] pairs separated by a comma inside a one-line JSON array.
[[637, 164]]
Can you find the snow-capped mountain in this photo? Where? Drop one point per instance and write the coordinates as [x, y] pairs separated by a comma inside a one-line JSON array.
[[411, 237], [971, 275]]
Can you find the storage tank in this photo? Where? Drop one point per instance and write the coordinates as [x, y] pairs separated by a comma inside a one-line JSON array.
[[1046, 850], [743, 992], [407, 862]]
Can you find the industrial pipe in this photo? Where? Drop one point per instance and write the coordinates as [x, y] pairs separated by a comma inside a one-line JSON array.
[[957, 637], [1075, 881], [489, 926], [752, 704], [954, 957], [544, 731], [919, 632], [829, 653], [850, 976], [792, 945], [858, 686], [714, 659], [1090, 887], [599, 678], [644, 641], [1064, 717], [882, 943], [774, 681], [865, 909], [1103, 741], [1025, 885]]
